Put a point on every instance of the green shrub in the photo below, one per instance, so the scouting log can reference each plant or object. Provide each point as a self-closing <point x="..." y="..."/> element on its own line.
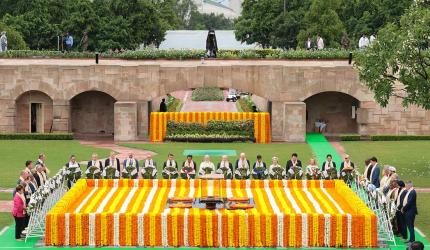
<point x="14" y="38"/>
<point x="36" y="136"/>
<point x="173" y="104"/>
<point x="399" y="137"/>
<point x="352" y="137"/>
<point x="207" y="94"/>
<point x="246" y="104"/>
<point x="213" y="129"/>
<point x="181" y="54"/>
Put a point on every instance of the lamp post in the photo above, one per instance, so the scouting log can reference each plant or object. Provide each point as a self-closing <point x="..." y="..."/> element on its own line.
<point x="285" y="6"/>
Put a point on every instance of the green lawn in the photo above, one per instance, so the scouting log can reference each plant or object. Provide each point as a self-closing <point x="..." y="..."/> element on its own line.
<point x="411" y="158"/>
<point x="6" y="219"/>
<point x="14" y="153"/>
<point x="422" y="221"/>
<point x="5" y="196"/>
<point x="283" y="151"/>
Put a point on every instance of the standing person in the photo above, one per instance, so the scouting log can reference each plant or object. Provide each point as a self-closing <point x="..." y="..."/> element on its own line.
<point x="320" y="42"/>
<point x="94" y="162"/>
<point x="329" y="163"/>
<point x="363" y="42"/>
<point x="259" y="170"/>
<point x="410" y="209"/>
<point x="188" y="170"/>
<point x="211" y="44"/>
<point x="347" y="163"/>
<point x="29" y="167"/>
<point x="400" y="217"/>
<point x="131" y="162"/>
<point x="18" y="211"/>
<point x="163" y="106"/>
<point x="372" y="172"/>
<point x="225" y="167"/>
<point x="308" y="44"/>
<point x="170" y="168"/>
<point x="84" y="41"/>
<point x="3" y="42"/>
<point x="372" y="39"/>
<point x="68" y="41"/>
<point x="242" y="167"/>
<point x="344" y="41"/>
<point x="40" y="175"/>
<point x="293" y="162"/>
<point x="113" y="162"/>
<point x="73" y="171"/>
<point x="206" y="166"/>
<point x="42" y="161"/>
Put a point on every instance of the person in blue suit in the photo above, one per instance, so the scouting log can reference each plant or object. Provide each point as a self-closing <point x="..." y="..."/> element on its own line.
<point x="372" y="172"/>
<point x="409" y="209"/>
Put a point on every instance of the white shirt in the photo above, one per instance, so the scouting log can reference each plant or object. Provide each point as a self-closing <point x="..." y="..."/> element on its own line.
<point x="372" y="39"/>
<point x="363" y="42"/>
<point x="320" y="43"/>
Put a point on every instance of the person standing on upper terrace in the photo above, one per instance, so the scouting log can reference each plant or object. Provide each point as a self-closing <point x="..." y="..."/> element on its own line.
<point x="68" y="41"/>
<point x="211" y="44"/>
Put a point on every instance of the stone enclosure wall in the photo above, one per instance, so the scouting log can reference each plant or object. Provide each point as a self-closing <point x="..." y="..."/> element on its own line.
<point x="130" y="85"/>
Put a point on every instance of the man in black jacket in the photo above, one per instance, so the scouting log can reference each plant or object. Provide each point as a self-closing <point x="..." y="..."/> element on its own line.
<point x="113" y="161"/>
<point x="293" y="162"/>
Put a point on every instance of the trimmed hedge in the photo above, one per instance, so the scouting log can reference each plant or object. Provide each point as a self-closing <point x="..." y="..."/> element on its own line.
<point x="213" y="131"/>
<point x="352" y="137"/>
<point x="207" y="94"/>
<point x="245" y="104"/>
<point x="185" y="54"/>
<point x="399" y="137"/>
<point x="36" y="136"/>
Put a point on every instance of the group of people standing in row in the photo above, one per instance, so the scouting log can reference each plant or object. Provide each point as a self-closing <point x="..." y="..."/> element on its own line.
<point x="34" y="175"/>
<point x="318" y="43"/>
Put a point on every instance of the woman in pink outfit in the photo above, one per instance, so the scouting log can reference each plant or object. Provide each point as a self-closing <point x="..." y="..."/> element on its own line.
<point x="18" y="211"/>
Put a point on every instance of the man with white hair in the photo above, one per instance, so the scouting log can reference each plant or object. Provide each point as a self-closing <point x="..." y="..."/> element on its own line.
<point x="409" y="209"/>
<point x="131" y="161"/>
<point x="3" y="42"/>
<point x="40" y="175"/>
<point x="242" y="169"/>
<point x="94" y="162"/>
<point x="225" y="167"/>
<point x="149" y="168"/>
<point x="206" y="167"/>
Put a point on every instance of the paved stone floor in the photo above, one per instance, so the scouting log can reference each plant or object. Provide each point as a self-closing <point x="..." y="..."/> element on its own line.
<point x="214" y="106"/>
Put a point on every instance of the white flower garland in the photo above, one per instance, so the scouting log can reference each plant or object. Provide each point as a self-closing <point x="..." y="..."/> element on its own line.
<point x="100" y="209"/>
<point x="116" y="229"/>
<point x="327" y="228"/>
<point x="148" y="201"/>
<point x="164" y="235"/>
<point x="349" y="239"/>
<point x="85" y="201"/>
<point x="127" y="200"/>
<point x="219" y="217"/>
<point x="305" y="230"/>
<point x="291" y="198"/>
<point x="192" y="189"/>
<point x="67" y="225"/>
<point x="140" y="229"/>
<point x="280" y="230"/>
<point x="248" y="189"/>
<point x="92" y="229"/>
<point x="229" y="192"/>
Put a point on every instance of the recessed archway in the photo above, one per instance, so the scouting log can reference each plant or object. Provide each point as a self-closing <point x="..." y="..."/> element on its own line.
<point x="336" y="109"/>
<point x="34" y="112"/>
<point x="92" y="113"/>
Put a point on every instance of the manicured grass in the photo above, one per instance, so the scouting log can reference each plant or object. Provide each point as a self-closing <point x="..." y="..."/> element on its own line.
<point x="282" y="151"/>
<point x="16" y="152"/>
<point x="5" y="196"/>
<point x="207" y="94"/>
<point x="422" y="221"/>
<point x="6" y="219"/>
<point x="411" y="158"/>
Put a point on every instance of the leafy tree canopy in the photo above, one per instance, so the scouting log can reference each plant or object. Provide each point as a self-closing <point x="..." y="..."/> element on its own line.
<point x="398" y="63"/>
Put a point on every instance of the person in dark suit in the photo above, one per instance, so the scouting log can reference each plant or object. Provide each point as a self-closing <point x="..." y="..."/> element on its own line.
<point x="329" y="163"/>
<point x="131" y="161"/>
<point x="225" y="163"/>
<point x="113" y="161"/>
<point x="309" y="44"/>
<point x="163" y="106"/>
<point x="346" y="163"/>
<point x="400" y="218"/>
<point x="372" y="172"/>
<point x="294" y="161"/>
<point x="95" y="162"/>
<point x="259" y="174"/>
<point x="409" y="209"/>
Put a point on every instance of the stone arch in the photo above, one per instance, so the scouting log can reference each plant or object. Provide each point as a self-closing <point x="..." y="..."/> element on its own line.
<point x="336" y="109"/>
<point x="34" y="112"/>
<point x="92" y="113"/>
<point x="105" y="88"/>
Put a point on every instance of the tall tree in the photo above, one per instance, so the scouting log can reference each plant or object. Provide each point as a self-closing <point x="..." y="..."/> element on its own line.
<point x="323" y="19"/>
<point x="398" y="63"/>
